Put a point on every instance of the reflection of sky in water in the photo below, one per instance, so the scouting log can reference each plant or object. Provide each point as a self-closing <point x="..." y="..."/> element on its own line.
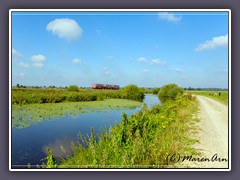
<point x="60" y="147"/>
<point x="28" y="144"/>
<point x="151" y="100"/>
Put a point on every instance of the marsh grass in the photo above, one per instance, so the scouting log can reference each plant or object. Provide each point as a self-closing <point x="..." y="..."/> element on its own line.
<point x="41" y="96"/>
<point x="142" y="140"/>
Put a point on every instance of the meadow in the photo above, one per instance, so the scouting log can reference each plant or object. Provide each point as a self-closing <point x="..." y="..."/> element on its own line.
<point x="51" y="95"/>
<point x="222" y="98"/>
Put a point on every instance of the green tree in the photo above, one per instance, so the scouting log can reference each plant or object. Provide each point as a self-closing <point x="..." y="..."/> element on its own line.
<point x="169" y="92"/>
<point x="73" y="88"/>
<point x="133" y="92"/>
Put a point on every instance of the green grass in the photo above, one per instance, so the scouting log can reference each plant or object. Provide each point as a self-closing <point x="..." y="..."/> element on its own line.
<point x="26" y="115"/>
<point x="143" y="140"/>
<point x="222" y="98"/>
<point x="41" y="96"/>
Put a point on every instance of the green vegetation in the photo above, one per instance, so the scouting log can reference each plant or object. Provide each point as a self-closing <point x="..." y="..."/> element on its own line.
<point x="169" y="92"/>
<point x="72" y="94"/>
<point x="133" y="92"/>
<point x="73" y="88"/>
<point x="26" y="115"/>
<point x="214" y="95"/>
<point x="155" y="90"/>
<point x="31" y="105"/>
<point x="31" y="96"/>
<point x="143" y="140"/>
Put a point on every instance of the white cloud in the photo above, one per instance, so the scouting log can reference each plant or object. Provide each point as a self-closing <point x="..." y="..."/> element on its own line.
<point x="38" y="58"/>
<point x="146" y="70"/>
<point x="215" y="42"/>
<point x="152" y="61"/>
<point x="38" y="65"/>
<point x="65" y="28"/>
<point x="169" y="17"/>
<point x="179" y="70"/>
<point x="142" y="59"/>
<point x="20" y="75"/>
<point x="16" y="54"/>
<point x="76" y="61"/>
<point x="157" y="61"/>
<point x="22" y="64"/>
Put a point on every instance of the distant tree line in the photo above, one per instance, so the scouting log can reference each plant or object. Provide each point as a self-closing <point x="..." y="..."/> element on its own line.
<point x="205" y="89"/>
<point x="154" y="90"/>
<point x="38" y="87"/>
<point x="45" y="87"/>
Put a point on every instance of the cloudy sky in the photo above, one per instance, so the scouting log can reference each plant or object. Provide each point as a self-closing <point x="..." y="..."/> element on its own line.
<point x="149" y="49"/>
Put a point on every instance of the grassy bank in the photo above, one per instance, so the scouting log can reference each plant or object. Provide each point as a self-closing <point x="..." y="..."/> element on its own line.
<point x="26" y="115"/>
<point x="40" y="96"/>
<point x="222" y="98"/>
<point x="31" y="96"/>
<point x="144" y="140"/>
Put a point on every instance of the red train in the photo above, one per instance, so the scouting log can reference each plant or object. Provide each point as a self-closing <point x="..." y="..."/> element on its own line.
<point x="105" y="86"/>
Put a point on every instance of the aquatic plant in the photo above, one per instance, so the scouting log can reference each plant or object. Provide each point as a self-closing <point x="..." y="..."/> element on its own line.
<point x="26" y="115"/>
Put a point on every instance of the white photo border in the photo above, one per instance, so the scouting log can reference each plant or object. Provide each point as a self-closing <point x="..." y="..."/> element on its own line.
<point x="121" y="10"/>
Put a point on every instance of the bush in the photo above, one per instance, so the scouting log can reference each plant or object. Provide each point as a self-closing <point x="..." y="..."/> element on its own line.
<point x="155" y="90"/>
<point x="169" y="92"/>
<point x="133" y="92"/>
<point x="73" y="88"/>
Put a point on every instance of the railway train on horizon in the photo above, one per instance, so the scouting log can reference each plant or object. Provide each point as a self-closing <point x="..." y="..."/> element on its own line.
<point x="105" y="86"/>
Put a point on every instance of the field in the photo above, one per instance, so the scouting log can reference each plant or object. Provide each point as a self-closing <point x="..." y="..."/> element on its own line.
<point x="222" y="98"/>
<point x="31" y="96"/>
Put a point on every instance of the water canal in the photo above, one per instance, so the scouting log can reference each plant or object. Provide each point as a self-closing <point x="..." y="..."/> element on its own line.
<point x="28" y="144"/>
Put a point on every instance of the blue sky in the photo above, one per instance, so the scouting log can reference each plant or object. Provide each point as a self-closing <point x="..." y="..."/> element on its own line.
<point x="149" y="49"/>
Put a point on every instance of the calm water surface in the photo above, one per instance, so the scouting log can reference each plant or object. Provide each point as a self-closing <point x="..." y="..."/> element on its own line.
<point x="28" y="144"/>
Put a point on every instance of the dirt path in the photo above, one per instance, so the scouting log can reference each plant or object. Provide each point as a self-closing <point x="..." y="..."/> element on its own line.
<point x="212" y="135"/>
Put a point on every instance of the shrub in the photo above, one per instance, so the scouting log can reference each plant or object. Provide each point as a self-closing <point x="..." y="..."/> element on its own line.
<point x="73" y="88"/>
<point x="169" y="92"/>
<point x="133" y="92"/>
<point x="155" y="90"/>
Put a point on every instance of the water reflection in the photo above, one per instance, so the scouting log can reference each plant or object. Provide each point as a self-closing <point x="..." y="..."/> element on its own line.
<point x="60" y="147"/>
<point x="29" y="144"/>
<point x="151" y="100"/>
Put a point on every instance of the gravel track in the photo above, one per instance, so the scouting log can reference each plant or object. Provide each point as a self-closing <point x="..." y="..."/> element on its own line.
<point x="212" y="134"/>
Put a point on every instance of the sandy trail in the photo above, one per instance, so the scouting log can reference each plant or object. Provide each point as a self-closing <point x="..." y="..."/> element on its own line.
<point x="212" y="135"/>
